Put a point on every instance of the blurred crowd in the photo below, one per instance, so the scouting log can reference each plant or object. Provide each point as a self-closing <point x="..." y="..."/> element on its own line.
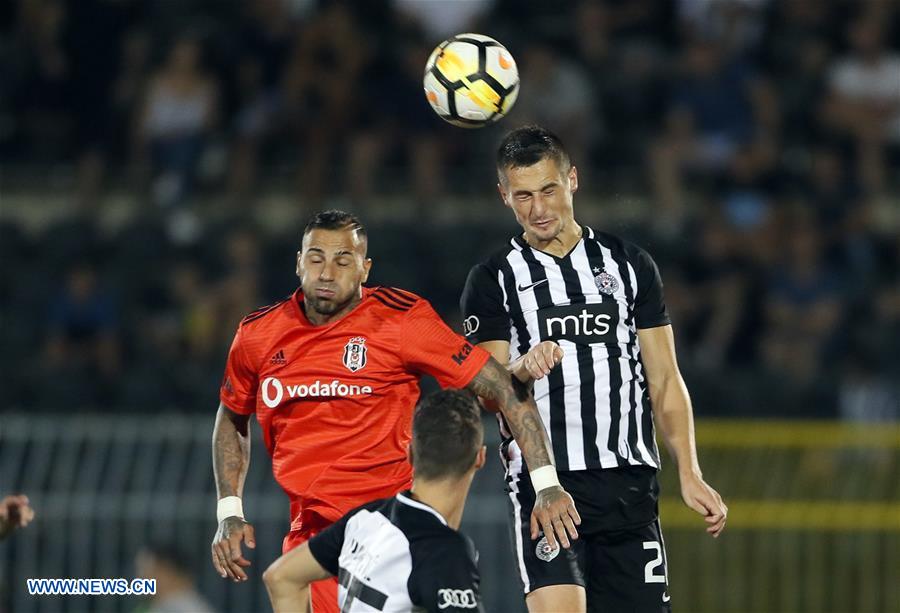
<point x="760" y="137"/>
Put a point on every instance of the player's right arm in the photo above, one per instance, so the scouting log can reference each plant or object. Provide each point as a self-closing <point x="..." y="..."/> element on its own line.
<point x="231" y="460"/>
<point x="488" y="326"/>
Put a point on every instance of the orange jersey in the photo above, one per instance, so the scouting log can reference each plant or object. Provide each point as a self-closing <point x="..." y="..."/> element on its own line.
<point x="335" y="402"/>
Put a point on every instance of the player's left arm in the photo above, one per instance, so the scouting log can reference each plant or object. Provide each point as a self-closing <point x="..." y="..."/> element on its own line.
<point x="287" y="579"/>
<point x="431" y="346"/>
<point x="554" y="510"/>
<point x="675" y="421"/>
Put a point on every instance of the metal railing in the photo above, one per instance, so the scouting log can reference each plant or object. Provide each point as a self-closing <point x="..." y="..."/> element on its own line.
<point x="814" y="521"/>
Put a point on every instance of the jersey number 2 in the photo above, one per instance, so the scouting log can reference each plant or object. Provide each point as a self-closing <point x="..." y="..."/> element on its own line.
<point x="652" y="565"/>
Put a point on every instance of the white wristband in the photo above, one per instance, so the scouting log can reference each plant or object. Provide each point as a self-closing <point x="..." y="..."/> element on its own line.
<point x="230" y="506"/>
<point x="544" y="477"/>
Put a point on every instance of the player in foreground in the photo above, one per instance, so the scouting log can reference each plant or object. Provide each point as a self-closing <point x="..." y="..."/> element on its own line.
<point x="402" y="553"/>
<point x="580" y="315"/>
<point x="332" y="374"/>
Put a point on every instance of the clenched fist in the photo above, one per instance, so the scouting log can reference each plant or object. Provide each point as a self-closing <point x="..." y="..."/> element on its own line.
<point x="542" y="358"/>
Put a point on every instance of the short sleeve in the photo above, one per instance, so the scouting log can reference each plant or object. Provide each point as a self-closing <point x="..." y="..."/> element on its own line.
<point x="445" y="576"/>
<point x="482" y="307"/>
<point x="428" y="345"/>
<point x="238" y="391"/>
<point x="650" y="306"/>
<point x="326" y="545"/>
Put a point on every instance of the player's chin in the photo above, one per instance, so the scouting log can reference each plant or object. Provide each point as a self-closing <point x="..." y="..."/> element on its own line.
<point x="545" y="232"/>
<point x="324" y="306"/>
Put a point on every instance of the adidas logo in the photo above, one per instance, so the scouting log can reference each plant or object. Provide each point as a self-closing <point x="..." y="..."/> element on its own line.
<point x="279" y="358"/>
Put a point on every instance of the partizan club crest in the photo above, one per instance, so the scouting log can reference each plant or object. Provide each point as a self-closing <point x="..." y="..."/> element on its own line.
<point x="605" y="282"/>
<point x="355" y="353"/>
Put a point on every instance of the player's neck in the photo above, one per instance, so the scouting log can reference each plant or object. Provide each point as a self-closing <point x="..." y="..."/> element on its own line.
<point x="447" y="497"/>
<point x="561" y="244"/>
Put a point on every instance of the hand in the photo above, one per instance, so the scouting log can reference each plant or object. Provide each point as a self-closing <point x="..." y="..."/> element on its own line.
<point x="227" y="557"/>
<point x="704" y="500"/>
<point x="555" y="513"/>
<point x="542" y="358"/>
<point x="15" y="512"/>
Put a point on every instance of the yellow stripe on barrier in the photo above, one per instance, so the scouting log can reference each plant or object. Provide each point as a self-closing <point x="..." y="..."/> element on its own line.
<point x="744" y="433"/>
<point x="818" y="515"/>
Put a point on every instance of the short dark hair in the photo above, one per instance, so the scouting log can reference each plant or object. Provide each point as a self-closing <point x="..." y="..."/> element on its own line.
<point x="447" y="434"/>
<point x="529" y="145"/>
<point x="335" y="220"/>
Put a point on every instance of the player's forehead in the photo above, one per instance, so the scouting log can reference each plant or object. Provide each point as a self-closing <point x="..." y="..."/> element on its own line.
<point x="534" y="177"/>
<point x="334" y="241"/>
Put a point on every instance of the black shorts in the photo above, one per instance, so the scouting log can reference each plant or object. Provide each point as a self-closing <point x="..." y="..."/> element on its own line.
<point x="619" y="557"/>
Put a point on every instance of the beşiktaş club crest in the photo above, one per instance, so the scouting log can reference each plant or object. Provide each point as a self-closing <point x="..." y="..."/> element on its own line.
<point x="355" y="353"/>
<point x="605" y="282"/>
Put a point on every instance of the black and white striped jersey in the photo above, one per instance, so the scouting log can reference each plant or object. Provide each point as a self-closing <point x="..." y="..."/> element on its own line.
<point x="398" y="554"/>
<point x="595" y="404"/>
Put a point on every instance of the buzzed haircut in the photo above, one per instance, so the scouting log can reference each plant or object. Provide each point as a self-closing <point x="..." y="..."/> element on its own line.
<point x="447" y="434"/>
<point x="336" y="220"/>
<point x="529" y="145"/>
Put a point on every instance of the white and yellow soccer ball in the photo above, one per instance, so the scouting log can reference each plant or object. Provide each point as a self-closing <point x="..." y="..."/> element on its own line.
<point x="471" y="80"/>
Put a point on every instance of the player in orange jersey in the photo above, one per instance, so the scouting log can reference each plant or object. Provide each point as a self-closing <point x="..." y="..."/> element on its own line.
<point x="332" y="374"/>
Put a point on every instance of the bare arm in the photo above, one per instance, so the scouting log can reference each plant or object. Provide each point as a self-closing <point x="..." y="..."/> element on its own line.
<point x="495" y="383"/>
<point x="288" y="579"/>
<point x="231" y="459"/>
<point x="554" y="510"/>
<point x="675" y="420"/>
<point x="231" y="451"/>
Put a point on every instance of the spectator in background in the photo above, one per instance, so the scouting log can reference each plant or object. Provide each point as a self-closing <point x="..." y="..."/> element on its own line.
<point x="625" y="73"/>
<point x="44" y="79"/>
<point x="709" y="295"/>
<point x="93" y="43"/>
<point x="129" y="90"/>
<point x="178" y="115"/>
<point x="176" y="590"/>
<point x="239" y="291"/>
<point x="717" y="107"/>
<point x="263" y="49"/>
<point x="557" y="93"/>
<point x="864" y="100"/>
<point x="398" y="126"/>
<point x="83" y="344"/>
<point x="321" y="91"/>
<point x="803" y="306"/>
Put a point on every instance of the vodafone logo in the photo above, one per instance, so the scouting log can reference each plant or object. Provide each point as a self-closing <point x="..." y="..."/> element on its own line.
<point x="273" y="391"/>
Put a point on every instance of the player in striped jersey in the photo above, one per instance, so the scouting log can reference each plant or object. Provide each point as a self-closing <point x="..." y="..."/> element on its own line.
<point x="580" y="315"/>
<point x="402" y="553"/>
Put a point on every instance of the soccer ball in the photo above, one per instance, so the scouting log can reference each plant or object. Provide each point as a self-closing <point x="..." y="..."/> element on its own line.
<point x="471" y="80"/>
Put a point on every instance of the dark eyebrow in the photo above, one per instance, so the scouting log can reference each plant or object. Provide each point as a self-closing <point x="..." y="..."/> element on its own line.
<point x="322" y="251"/>
<point x="525" y="191"/>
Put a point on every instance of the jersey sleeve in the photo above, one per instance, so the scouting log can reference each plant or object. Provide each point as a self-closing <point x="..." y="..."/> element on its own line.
<point x="650" y="305"/>
<point x="482" y="307"/>
<point x="238" y="391"/>
<point x="428" y="345"/>
<point x="445" y="576"/>
<point x="326" y="546"/>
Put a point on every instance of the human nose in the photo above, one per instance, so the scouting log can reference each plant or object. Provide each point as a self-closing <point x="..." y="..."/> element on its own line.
<point x="327" y="272"/>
